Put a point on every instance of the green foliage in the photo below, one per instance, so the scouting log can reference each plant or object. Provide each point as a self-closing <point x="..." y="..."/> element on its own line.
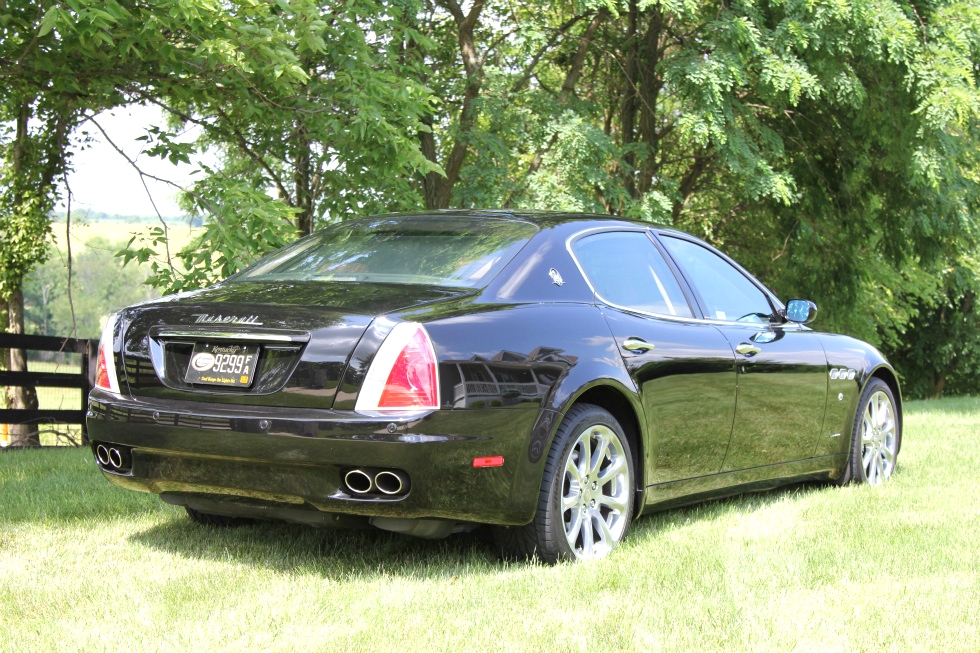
<point x="830" y="146"/>
<point x="246" y="225"/>
<point x="100" y="285"/>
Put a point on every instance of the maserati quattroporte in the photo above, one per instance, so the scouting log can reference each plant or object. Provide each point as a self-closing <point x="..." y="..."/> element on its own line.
<point x="554" y="376"/>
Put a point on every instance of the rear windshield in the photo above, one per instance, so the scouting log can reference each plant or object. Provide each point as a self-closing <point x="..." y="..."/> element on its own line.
<point x="454" y="252"/>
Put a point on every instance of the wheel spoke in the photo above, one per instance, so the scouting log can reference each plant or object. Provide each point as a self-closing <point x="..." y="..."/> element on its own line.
<point x="571" y="501"/>
<point x="873" y="408"/>
<point x="866" y="456"/>
<point x="586" y="458"/>
<point x="572" y="470"/>
<point x="587" y="536"/>
<point x="604" y="533"/>
<point x="599" y="455"/>
<point x="616" y="468"/>
<point x="614" y="502"/>
<point x="573" y="528"/>
<point x="889" y="455"/>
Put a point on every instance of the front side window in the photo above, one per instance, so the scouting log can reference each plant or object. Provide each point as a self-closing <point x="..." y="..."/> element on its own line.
<point x="627" y="270"/>
<point x="436" y="251"/>
<point x="727" y="293"/>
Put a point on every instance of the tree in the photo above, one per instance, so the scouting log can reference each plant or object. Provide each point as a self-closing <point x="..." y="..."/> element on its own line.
<point x="338" y="140"/>
<point x="61" y="63"/>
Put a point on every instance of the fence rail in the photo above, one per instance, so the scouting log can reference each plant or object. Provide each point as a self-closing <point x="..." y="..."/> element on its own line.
<point x="83" y="379"/>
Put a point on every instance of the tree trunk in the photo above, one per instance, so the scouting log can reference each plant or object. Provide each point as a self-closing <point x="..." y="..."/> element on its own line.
<point x="302" y="182"/>
<point x="465" y="24"/>
<point x="650" y="54"/>
<point x="22" y="435"/>
<point x="4" y="353"/>
<point x="627" y="113"/>
<point x="20" y="398"/>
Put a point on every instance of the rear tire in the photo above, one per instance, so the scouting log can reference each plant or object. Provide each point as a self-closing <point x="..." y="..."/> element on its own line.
<point x="219" y="521"/>
<point x="586" y="499"/>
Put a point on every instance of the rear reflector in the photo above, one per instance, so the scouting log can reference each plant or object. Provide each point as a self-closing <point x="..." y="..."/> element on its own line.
<point x="404" y="374"/>
<point x="489" y="461"/>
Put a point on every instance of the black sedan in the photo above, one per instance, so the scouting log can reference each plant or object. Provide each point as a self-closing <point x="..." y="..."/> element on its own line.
<point x="554" y="376"/>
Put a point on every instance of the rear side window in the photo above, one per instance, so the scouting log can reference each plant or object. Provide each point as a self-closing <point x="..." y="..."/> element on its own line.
<point x="436" y="251"/>
<point x="728" y="294"/>
<point x="627" y="270"/>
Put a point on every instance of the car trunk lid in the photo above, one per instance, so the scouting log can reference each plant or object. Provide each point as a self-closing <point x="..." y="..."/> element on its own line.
<point x="284" y="344"/>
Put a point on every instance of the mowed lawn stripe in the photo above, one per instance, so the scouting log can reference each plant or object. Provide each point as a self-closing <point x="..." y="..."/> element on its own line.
<point x="87" y="566"/>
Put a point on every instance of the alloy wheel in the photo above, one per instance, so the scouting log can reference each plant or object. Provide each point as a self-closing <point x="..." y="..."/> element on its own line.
<point x="595" y="492"/>
<point x="878" y="441"/>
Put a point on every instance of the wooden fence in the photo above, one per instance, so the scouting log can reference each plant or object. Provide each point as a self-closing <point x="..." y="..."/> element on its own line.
<point x="84" y="379"/>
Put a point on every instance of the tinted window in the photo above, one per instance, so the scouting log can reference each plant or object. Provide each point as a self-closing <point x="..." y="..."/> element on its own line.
<point x="428" y="251"/>
<point x="727" y="293"/>
<point x="627" y="270"/>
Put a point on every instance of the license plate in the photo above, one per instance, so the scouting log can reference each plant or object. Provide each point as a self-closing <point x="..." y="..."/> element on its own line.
<point x="222" y="364"/>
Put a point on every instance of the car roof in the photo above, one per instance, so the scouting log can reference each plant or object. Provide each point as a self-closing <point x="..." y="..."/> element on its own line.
<point x="536" y="217"/>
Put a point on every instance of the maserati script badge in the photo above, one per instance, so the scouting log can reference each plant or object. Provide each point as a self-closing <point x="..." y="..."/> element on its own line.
<point x="204" y="318"/>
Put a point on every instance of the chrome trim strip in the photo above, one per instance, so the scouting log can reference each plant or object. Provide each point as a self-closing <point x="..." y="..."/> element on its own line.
<point x="230" y="335"/>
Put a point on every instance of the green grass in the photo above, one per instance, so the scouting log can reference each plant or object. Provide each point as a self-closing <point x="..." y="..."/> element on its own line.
<point x="87" y="566"/>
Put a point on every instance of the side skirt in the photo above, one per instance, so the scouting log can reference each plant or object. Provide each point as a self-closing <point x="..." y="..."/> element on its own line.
<point x="756" y="479"/>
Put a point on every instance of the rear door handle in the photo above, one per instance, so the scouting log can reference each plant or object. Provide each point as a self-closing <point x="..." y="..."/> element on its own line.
<point x="747" y="349"/>
<point x="637" y="345"/>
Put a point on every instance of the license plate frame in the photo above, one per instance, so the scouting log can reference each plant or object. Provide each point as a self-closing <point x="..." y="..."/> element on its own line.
<point x="229" y="365"/>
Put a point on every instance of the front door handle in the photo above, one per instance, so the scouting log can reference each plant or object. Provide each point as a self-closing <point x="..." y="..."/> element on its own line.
<point x="637" y="345"/>
<point x="747" y="349"/>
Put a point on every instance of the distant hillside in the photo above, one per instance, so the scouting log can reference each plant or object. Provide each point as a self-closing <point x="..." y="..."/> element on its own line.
<point x="92" y="217"/>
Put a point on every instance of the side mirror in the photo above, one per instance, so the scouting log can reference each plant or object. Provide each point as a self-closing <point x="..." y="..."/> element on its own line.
<point x="801" y="310"/>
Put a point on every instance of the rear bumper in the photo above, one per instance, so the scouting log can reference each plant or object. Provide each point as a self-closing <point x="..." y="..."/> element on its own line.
<point x="295" y="458"/>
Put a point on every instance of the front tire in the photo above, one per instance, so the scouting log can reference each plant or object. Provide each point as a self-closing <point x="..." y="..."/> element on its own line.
<point x="586" y="497"/>
<point x="877" y="436"/>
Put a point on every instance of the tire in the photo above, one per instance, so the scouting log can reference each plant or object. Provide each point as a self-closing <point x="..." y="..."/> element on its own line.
<point x="219" y="521"/>
<point x="876" y="437"/>
<point x="575" y="520"/>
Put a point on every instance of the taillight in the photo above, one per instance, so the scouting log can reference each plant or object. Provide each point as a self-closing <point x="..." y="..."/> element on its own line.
<point x="404" y="375"/>
<point x="105" y="371"/>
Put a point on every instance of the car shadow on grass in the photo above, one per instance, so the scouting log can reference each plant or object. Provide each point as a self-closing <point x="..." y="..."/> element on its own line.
<point x="333" y="553"/>
<point x="288" y="547"/>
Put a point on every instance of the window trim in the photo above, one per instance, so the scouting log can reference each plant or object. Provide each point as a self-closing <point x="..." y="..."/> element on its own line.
<point x="692" y="306"/>
<point x="774" y="302"/>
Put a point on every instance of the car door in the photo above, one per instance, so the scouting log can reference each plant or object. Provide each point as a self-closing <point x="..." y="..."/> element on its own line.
<point x="684" y="368"/>
<point x="781" y="366"/>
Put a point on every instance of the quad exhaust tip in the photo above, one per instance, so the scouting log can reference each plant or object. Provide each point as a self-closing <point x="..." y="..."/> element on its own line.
<point x="386" y="481"/>
<point x="112" y="458"/>
<point x="358" y="481"/>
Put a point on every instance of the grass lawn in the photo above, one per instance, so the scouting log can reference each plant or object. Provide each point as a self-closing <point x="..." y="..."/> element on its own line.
<point x="87" y="566"/>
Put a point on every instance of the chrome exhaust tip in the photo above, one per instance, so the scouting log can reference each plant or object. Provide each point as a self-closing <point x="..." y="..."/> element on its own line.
<point x="115" y="458"/>
<point x="102" y="454"/>
<point x="358" y="481"/>
<point x="389" y="482"/>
